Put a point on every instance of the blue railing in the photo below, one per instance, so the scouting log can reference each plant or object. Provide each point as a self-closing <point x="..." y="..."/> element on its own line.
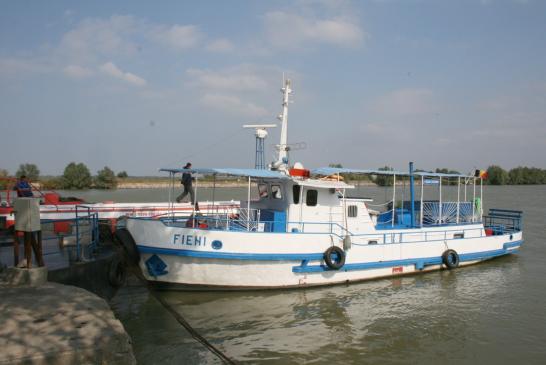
<point x="335" y="229"/>
<point x="417" y="236"/>
<point x="84" y="229"/>
<point x="235" y="224"/>
<point x="502" y="221"/>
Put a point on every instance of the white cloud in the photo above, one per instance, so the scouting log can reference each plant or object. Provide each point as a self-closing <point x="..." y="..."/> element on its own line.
<point x="405" y="102"/>
<point x="233" y="104"/>
<point x="22" y="67"/>
<point x="95" y="37"/>
<point x="178" y="37"/>
<point x="77" y="72"/>
<point x="238" y="79"/>
<point x="111" y="69"/>
<point x="220" y="45"/>
<point x="291" y="30"/>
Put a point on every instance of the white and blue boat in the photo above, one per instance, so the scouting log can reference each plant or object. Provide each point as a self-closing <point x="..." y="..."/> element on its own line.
<point x="301" y="228"/>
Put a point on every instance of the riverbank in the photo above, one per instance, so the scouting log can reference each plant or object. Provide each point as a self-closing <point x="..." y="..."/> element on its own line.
<point x="60" y="324"/>
<point x="164" y="183"/>
<point x="122" y="184"/>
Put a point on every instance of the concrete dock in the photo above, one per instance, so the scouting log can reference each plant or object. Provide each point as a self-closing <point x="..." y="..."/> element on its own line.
<point x="59" y="324"/>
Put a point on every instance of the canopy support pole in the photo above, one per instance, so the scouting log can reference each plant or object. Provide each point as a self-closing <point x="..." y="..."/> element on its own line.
<point x="412" y="196"/>
<point x="473" y="200"/>
<point x="393" y="198"/>
<point x="171" y="191"/>
<point x="440" y="202"/>
<point x="248" y="207"/>
<point x="195" y="204"/>
<point x="481" y="199"/>
<point x="458" y="198"/>
<point x="215" y="207"/>
<point x="422" y="193"/>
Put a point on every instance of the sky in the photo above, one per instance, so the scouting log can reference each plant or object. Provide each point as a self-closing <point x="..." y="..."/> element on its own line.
<point x="140" y="85"/>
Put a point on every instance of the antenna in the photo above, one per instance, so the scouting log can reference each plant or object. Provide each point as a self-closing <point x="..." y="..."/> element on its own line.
<point x="261" y="134"/>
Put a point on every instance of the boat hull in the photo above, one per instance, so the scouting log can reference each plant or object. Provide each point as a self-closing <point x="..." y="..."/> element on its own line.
<point x="191" y="259"/>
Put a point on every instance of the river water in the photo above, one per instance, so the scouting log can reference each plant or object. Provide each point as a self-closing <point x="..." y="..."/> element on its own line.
<point x="494" y="312"/>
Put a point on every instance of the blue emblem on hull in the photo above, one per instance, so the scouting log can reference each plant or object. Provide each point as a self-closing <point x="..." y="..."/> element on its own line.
<point x="216" y="244"/>
<point x="156" y="266"/>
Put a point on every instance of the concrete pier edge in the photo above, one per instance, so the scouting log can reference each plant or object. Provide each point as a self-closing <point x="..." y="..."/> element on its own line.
<point x="60" y="324"/>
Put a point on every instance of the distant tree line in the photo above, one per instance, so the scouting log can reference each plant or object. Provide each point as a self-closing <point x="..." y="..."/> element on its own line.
<point x="516" y="176"/>
<point x="496" y="176"/>
<point x="75" y="176"/>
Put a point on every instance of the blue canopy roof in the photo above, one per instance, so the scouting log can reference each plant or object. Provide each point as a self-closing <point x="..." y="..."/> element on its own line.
<point x="336" y="170"/>
<point x="231" y="172"/>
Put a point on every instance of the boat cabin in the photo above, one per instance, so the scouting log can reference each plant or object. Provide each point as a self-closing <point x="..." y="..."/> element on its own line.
<point x="295" y="203"/>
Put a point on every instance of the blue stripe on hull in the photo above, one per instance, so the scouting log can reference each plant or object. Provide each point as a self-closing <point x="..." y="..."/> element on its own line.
<point x="420" y="263"/>
<point x="230" y="255"/>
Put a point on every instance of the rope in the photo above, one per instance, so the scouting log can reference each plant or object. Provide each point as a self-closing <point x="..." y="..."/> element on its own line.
<point x="224" y="358"/>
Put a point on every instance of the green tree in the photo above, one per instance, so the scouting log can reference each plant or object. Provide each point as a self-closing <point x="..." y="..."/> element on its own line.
<point x="106" y="179"/>
<point x="384" y="180"/>
<point x="4" y="183"/>
<point x="450" y="181"/>
<point x="30" y="170"/>
<point x="76" y="176"/>
<point x="496" y="175"/>
<point x="122" y="174"/>
<point x="526" y="175"/>
<point x="52" y="183"/>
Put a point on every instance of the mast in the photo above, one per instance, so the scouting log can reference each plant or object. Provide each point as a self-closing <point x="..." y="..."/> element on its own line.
<point x="283" y="117"/>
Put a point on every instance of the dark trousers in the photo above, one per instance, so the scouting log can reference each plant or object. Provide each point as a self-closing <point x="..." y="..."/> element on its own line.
<point x="188" y="189"/>
<point x="33" y="242"/>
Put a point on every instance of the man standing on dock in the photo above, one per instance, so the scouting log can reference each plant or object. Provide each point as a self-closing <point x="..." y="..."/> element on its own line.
<point x="187" y="181"/>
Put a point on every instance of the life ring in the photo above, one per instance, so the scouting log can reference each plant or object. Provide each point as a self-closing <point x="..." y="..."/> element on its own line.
<point x="450" y="258"/>
<point x="334" y="257"/>
<point x="129" y="246"/>
<point x="116" y="272"/>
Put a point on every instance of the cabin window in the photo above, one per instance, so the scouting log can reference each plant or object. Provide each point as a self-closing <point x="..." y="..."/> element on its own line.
<point x="312" y="197"/>
<point x="352" y="211"/>
<point x="262" y="191"/>
<point x="296" y="189"/>
<point x="276" y="192"/>
<point x="458" y="235"/>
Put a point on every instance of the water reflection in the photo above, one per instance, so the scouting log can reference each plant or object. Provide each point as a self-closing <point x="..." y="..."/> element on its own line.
<point x="368" y="320"/>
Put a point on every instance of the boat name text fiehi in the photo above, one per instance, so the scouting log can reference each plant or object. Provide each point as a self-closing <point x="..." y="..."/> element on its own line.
<point x="189" y="240"/>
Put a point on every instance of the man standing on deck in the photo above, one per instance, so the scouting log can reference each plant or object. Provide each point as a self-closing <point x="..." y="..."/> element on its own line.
<point x="187" y="181"/>
<point x="23" y="188"/>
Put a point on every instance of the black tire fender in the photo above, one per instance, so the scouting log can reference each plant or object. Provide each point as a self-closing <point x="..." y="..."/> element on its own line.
<point x="129" y="246"/>
<point x="332" y="263"/>
<point x="117" y="273"/>
<point x="450" y="258"/>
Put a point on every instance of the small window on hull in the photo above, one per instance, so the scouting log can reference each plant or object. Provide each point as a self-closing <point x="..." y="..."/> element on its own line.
<point x="296" y="189"/>
<point x="458" y="235"/>
<point x="311" y="198"/>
